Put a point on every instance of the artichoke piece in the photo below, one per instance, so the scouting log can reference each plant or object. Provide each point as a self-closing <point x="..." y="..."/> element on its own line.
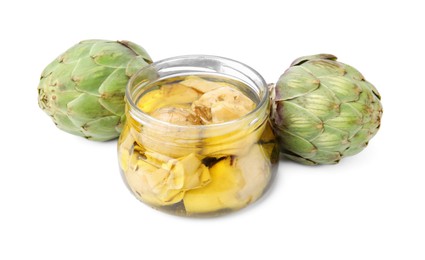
<point x="156" y="159"/>
<point x="235" y="182"/>
<point x="161" y="182"/>
<point x="140" y="183"/>
<point x="221" y="193"/>
<point x="179" y="104"/>
<point x="150" y="101"/>
<point x="225" y="111"/>
<point x="255" y="170"/>
<point x="169" y="95"/>
<point x="176" y="115"/>
<point x="203" y="85"/>
<point x="157" y="184"/>
<point x="169" y="141"/>
<point x="234" y="143"/>
<point x="225" y="104"/>
<point x="220" y="102"/>
<point x="193" y="172"/>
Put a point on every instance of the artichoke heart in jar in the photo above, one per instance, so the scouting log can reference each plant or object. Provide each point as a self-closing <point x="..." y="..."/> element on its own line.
<point x="197" y="138"/>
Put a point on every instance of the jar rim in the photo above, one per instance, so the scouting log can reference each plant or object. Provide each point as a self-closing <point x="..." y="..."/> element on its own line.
<point x="260" y="83"/>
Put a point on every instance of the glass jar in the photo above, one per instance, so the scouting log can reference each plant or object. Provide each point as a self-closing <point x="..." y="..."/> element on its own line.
<point x="197" y="169"/>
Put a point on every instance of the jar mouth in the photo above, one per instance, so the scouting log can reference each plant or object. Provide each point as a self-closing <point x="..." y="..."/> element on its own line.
<point x="184" y="66"/>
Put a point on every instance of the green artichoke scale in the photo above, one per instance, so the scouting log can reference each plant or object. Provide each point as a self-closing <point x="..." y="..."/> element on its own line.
<point x="324" y="110"/>
<point x="83" y="89"/>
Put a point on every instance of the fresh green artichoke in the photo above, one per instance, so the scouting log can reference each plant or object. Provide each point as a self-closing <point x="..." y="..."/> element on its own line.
<point x="324" y="110"/>
<point x="83" y="89"/>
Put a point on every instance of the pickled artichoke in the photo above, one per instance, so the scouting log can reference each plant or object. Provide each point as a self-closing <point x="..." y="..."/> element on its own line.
<point x="200" y="101"/>
<point x="324" y="110"/>
<point x="166" y="182"/>
<point x="83" y="89"/>
<point x="197" y="170"/>
<point x="221" y="105"/>
<point x="234" y="183"/>
<point x="221" y="193"/>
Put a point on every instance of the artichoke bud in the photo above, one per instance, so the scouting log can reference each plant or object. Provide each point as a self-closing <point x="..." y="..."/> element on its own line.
<point x="83" y="89"/>
<point x="324" y="110"/>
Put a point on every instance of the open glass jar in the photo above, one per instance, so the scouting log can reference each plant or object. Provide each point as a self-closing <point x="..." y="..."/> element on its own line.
<point x="196" y="169"/>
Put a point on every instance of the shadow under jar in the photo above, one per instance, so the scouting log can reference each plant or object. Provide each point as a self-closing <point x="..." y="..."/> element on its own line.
<point x="187" y="153"/>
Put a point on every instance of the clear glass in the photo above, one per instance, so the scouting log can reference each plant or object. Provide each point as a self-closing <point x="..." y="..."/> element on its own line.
<point x="196" y="170"/>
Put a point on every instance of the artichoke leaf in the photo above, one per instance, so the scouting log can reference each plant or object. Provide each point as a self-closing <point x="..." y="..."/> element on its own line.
<point x="343" y="88"/>
<point x="113" y="104"/>
<point x="349" y="120"/>
<point x="296" y="144"/>
<point x="332" y="140"/>
<point x="113" y="84"/>
<point x="85" y="108"/>
<point x="320" y="67"/>
<point x="79" y="51"/>
<point x="321" y="103"/>
<point x="353" y="73"/>
<point x="106" y="54"/>
<point x="64" y="123"/>
<point x="135" y="64"/>
<point x="102" y="129"/>
<point x="298" y="120"/>
<point x="358" y="142"/>
<point x="368" y="86"/>
<point x="137" y="49"/>
<point x="88" y="76"/>
<point x="327" y="157"/>
<point x="295" y="82"/>
<point x="304" y="59"/>
<point x="298" y="158"/>
<point x="60" y="79"/>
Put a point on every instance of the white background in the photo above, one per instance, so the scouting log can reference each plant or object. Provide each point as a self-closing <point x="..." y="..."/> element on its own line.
<point x="62" y="197"/>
